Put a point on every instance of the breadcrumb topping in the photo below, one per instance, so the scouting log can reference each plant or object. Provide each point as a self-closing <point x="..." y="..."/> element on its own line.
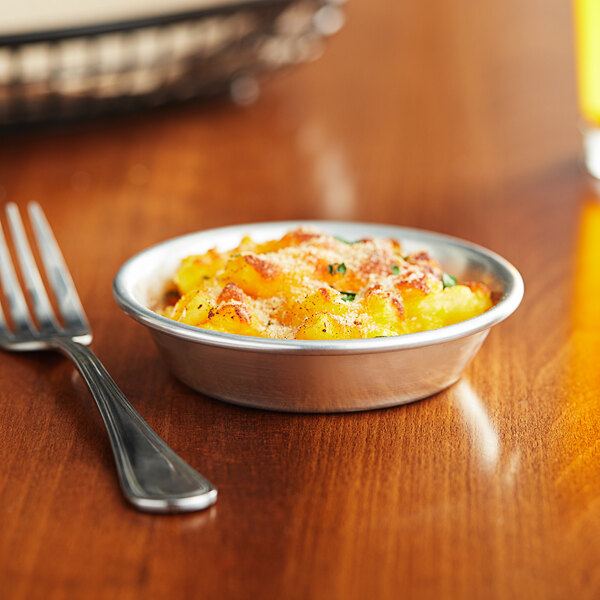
<point x="312" y="285"/>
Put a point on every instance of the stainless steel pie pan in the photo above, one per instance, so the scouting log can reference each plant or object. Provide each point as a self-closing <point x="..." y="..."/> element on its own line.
<point x="317" y="376"/>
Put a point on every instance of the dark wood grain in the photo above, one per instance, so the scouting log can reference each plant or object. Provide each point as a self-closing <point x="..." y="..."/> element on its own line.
<point x="454" y="116"/>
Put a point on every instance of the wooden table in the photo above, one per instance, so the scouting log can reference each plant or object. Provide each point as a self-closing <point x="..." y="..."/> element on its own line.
<point x="459" y="118"/>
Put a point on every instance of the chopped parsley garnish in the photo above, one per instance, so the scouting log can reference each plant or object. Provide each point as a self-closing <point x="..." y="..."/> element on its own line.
<point x="448" y="280"/>
<point x="395" y="270"/>
<point x="339" y="239"/>
<point x="337" y="268"/>
<point x="206" y="276"/>
<point x="346" y="296"/>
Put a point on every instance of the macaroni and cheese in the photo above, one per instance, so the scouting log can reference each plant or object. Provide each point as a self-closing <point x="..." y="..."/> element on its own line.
<point x="314" y="286"/>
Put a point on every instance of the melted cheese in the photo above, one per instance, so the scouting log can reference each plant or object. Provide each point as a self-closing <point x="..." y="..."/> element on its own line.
<point x="310" y="285"/>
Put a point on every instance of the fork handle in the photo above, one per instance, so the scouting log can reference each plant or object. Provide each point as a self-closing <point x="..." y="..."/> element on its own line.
<point x="152" y="476"/>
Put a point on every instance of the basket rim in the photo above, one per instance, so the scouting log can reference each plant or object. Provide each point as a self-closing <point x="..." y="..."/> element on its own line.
<point x="55" y="35"/>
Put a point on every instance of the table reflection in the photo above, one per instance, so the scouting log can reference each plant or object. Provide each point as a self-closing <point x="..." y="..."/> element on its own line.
<point x="575" y="433"/>
<point x="481" y="427"/>
<point x="330" y="170"/>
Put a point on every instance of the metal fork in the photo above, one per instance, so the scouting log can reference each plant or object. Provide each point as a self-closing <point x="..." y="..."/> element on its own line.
<point x="153" y="478"/>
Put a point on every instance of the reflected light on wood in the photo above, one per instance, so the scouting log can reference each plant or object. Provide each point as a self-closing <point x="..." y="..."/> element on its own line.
<point x="574" y="435"/>
<point x="482" y="430"/>
<point x="331" y="173"/>
<point x="586" y="307"/>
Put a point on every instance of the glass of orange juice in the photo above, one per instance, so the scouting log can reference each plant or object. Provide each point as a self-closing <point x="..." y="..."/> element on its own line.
<point x="587" y="35"/>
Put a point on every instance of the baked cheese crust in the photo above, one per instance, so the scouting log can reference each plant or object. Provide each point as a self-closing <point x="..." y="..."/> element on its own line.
<point x="314" y="286"/>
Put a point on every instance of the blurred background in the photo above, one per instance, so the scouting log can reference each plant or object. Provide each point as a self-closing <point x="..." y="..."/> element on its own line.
<point x="407" y="100"/>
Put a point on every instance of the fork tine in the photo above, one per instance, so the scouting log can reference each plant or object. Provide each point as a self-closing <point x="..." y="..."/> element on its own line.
<point x="31" y="276"/>
<point x="56" y="269"/>
<point x="13" y="293"/>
